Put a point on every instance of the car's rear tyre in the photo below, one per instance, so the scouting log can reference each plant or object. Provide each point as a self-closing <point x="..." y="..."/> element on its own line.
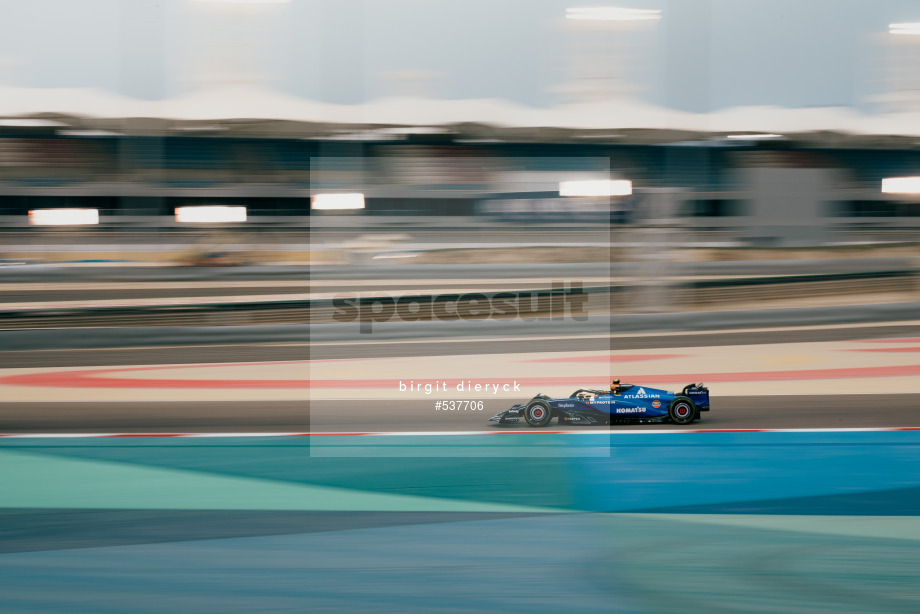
<point x="682" y="411"/>
<point x="538" y="413"/>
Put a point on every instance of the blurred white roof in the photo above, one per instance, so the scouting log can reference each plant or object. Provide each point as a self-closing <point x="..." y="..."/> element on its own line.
<point x="252" y="102"/>
<point x="69" y="101"/>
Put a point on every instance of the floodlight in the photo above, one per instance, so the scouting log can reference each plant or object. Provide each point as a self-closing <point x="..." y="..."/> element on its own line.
<point x="64" y="217"/>
<point x="209" y="214"/>
<point x="901" y="185"/>
<point x="904" y="28"/>
<point x="600" y="187"/>
<point x="612" y="13"/>
<point x="338" y="201"/>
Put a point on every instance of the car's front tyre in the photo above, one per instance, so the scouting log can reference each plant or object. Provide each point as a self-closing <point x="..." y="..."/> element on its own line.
<point x="538" y="413"/>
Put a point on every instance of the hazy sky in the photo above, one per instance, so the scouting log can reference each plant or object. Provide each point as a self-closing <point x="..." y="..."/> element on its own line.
<point x="702" y="55"/>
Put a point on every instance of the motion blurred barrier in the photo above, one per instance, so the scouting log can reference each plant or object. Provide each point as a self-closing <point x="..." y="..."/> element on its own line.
<point x="535" y="302"/>
<point x="159" y="336"/>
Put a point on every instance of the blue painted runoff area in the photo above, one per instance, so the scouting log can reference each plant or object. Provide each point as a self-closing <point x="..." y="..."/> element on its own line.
<point x="822" y="522"/>
<point x="840" y="472"/>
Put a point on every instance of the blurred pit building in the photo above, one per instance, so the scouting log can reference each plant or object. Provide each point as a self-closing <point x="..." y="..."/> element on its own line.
<point x="767" y="189"/>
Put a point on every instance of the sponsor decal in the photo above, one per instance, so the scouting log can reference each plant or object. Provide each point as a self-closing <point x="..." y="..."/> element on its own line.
<point x="642" y="394"/>
<point x="565" y="405"/>
<point x="629" y="410"/>
<point x="656" y="404"/>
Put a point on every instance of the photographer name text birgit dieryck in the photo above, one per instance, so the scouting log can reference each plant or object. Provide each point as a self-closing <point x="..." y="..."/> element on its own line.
<point x="461" y="386"/>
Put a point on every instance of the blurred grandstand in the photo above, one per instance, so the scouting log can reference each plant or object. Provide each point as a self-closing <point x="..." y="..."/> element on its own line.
<point x="136" y="171"/>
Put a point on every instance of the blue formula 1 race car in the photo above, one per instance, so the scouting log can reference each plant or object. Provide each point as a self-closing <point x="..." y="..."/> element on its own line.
<point x="622" y="404"/>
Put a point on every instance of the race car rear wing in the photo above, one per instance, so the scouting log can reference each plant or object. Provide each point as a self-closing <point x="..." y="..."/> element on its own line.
<point x="699" y="394"/>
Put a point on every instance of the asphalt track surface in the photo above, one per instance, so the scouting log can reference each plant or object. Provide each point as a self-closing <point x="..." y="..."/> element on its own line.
<point x="773" y="412"/>
<point x="845" y="410"/>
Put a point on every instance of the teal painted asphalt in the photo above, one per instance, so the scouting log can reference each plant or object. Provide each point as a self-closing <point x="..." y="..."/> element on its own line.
<point x="671" y="523"/>
<point x="633" y="472"/>
<point x="579" y="563"/>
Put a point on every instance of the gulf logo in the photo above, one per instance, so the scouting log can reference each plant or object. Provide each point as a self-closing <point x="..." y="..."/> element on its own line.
<point x="656" y="404"/>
